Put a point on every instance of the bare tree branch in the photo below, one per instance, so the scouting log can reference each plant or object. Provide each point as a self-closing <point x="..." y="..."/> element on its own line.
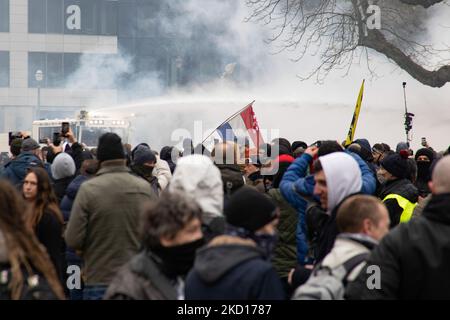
<point x="423" y="3"/>
<point x="377" y="41"/>
<point x="334" y="29"/>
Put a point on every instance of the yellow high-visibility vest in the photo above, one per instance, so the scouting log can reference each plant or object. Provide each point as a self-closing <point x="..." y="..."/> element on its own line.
<point x="405" y="204"/>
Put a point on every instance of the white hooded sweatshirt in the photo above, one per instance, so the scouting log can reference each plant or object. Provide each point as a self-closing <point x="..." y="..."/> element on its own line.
<point x="197" y="176"/>
<point x="343" y="177"/>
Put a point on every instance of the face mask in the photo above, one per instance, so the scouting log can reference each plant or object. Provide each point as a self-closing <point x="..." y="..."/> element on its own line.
<point x="267" y="242"/>
<point x="142" y="170"/>
<point x="178" y="260"/>
<point x="147" y="171"/>
<point x="423" y="170"/>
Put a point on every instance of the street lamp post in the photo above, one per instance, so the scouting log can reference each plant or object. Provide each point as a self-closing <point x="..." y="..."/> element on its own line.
<point x="39" y="75"/>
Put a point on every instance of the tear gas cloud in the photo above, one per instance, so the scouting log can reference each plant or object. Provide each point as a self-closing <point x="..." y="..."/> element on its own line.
<point x="300" y="110"/>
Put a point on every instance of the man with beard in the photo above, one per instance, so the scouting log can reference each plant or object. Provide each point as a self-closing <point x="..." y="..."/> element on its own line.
<point x="171" y="235"/>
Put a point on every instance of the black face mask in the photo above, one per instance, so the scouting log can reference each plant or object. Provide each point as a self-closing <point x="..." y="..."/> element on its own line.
<point x="266" y="242"/>
<point x="143" y="171"/>
<point x="178" y="260"/>
<point x="423" y="170"/>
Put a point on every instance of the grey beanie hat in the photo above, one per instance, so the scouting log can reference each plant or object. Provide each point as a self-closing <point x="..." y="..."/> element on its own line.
<point x="63" y="166"/>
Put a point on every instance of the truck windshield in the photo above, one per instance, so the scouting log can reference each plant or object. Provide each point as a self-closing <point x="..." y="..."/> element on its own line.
<point x="47" y="132"/>
<point x="90" y="135"/>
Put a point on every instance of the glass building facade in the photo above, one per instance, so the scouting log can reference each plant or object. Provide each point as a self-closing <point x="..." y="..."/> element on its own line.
<point x="152" y="46"/>
<point x="97" y="17"/>
<point x="4" y="69"/>
<point x="157" y="40"/>
<point x="4" y="15"/>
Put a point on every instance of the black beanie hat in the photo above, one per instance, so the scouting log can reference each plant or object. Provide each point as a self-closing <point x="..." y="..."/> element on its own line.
<point x="425" y="152"/>
<point x="397" y="164"/>
<point x="143" y="155"/>
<point x="110" y="147"/>
<point x="298" y="144"/>
<point x="249" y="209"/>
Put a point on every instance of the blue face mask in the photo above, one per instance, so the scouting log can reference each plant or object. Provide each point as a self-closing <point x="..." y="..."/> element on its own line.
<point x="266" y="242"/>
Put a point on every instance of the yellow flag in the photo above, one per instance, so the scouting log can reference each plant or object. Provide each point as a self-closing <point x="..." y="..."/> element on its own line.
<point x="351" y="131"/>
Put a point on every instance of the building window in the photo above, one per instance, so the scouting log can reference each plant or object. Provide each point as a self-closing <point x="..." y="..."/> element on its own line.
<point x="4" y="69"/>
<point x="89" y="17"/>
<point x="36" y="61"/>
<point x="55" y="70"/>
<point x="108" y="18"/>
<point x="58" y="68"/>
<point x="127" y="18"/>
<point x="52" y="65"/>
<point x="37" y="16"/>
<point x="4" y="15"/>
<point x="55" y="16"/>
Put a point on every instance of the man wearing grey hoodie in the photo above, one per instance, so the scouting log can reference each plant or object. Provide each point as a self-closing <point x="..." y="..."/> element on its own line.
<point x="337" y="176"/>
<point x="63" y="172"/>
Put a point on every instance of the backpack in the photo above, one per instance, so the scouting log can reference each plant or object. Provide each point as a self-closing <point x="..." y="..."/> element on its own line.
<point x="327" y="283"/>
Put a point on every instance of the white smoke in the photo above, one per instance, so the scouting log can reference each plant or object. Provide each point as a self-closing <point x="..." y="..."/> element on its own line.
<point x="300" y="110"/>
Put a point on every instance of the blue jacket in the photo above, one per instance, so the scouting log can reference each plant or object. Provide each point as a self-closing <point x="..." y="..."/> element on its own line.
<point x="296" y="184"/>
<point x="16" y="170"/>
<point x="66" y="208"/>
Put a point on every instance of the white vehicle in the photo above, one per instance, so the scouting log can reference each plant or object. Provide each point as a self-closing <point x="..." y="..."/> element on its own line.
<point x="86" y="129"/>
<point x="4" y="145"/>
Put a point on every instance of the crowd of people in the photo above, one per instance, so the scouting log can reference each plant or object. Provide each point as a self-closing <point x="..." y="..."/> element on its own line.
<point x="281" y="221"/>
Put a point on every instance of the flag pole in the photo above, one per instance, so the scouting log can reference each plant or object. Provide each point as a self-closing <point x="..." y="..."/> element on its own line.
<point x="231" y="117"/>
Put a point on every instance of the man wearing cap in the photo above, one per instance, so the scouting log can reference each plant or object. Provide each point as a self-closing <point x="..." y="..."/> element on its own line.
<point x="396" y="191"/>
<point x="16" y="170"/>
<point x="236" y="265"/>
<point x="105" y="217"/>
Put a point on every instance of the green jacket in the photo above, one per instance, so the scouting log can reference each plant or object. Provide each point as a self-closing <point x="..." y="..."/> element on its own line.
<point x="104" y="220"/>
<point x="285" y="253"/>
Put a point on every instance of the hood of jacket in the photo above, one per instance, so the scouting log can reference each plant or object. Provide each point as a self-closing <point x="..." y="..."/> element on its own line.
<point x="348" y="245"/>
<point x="197" y="176"/>
<point x="343" y="177"/>
<point x="63" y="166"/>
<point x="21" y="163"/>
<point x="223" y="254"/>
<point x="438" y="208"/>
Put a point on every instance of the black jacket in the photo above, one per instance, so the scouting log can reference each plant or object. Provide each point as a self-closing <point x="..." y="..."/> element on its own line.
<point x="60" y="187"/>
<point x="232" y="268"/>
<point x="414" y="258"/>
<point x="232" y="178"/>
<point x="50" y="233"/>
<point x="402" y="187"/>
<point x="141" y="279"/>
